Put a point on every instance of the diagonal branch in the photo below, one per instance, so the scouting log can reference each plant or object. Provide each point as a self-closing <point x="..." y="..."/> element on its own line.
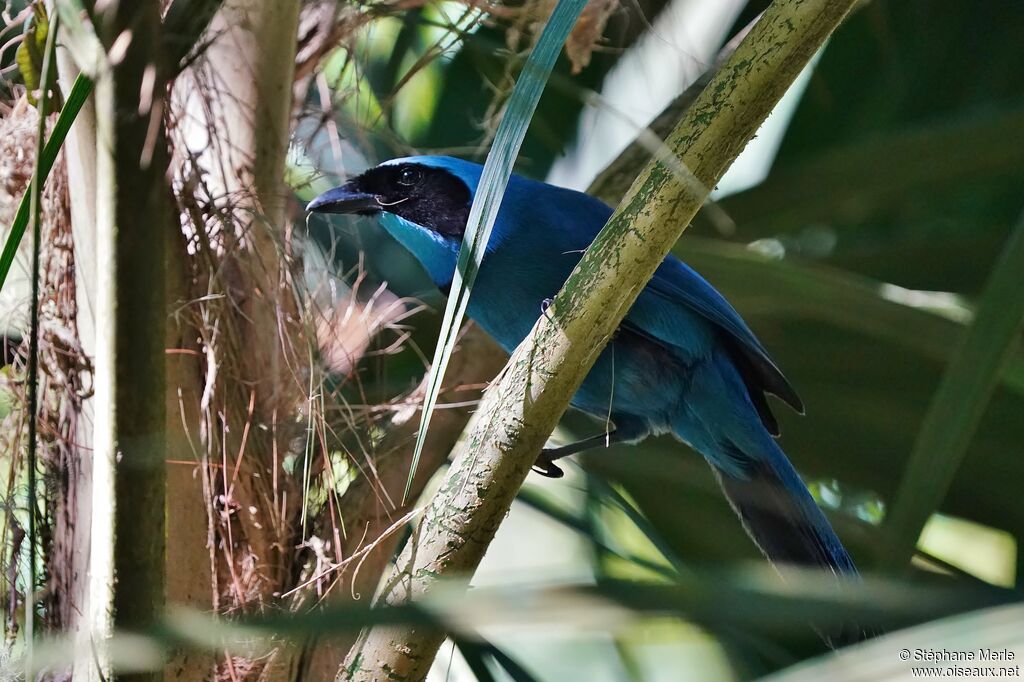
<point x="522" y="408"/>
<point x="612" y="183"/>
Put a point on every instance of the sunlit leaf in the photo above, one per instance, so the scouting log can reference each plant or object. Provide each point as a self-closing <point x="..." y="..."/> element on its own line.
<point x="892" y="658"/>
<point x="29" y="54"/>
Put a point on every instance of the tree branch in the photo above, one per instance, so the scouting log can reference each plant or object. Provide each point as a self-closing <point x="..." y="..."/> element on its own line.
<point x="520" y="411"/>
<point x="612" y="183"/>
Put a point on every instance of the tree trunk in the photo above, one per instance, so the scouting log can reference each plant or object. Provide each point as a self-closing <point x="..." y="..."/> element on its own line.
<point x="71" y="535"/>
<point x="126" y="559"/>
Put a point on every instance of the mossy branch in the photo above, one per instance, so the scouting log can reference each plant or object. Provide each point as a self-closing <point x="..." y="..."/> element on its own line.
<point x="612" y="183"/>
<point x="522" y="408"/>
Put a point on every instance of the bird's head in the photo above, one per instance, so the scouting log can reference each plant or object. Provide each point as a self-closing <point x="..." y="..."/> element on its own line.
<point x="424" y="203"/>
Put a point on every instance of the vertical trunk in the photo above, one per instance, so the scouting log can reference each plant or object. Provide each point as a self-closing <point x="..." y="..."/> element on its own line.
<point x="126" y="560"/>
<point x="190" y="546"/>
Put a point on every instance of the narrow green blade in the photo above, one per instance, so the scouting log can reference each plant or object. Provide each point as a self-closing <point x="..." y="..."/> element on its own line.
<point x="496" y="173"/>
<point x="76" y="98"/>
<point x="959" y="403"/>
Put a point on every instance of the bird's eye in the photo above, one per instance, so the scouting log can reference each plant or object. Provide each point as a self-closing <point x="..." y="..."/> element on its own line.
<point x="409" y="177"/>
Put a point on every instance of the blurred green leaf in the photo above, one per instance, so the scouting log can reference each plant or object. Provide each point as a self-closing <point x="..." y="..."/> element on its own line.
<point x="880" y="660"/>
<point x="29" y="54"/>
<point x="477" y="654"/>
<point x="959" y="404"/>
<point x="537" y="501"/>
<point x="756" y="597"/>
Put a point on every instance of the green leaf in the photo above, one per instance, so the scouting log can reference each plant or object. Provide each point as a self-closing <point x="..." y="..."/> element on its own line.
<point x="959" y="403"/>
<point x="29" y="55"/>
<point x="76" y="98"/>
<point x="995" y="628"/>
<point x="484" y="211"/>
<point x="474" y="655"/>
<point x="758" y="285"/>
<point x="517" y="672"/>
<point x="755" y="597"/>
<point x="756" y="600"/>
<point x="539" y="502"/>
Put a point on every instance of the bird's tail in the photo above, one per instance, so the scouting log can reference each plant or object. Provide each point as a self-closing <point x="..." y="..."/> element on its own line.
<point x="777" y="510"/>
<point x="784" y="521"/>
<point x="721" y="422"/>
<point x="780" y="515"/>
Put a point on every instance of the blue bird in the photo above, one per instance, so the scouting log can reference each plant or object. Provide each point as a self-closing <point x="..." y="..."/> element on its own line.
<point x="683" y="361"/>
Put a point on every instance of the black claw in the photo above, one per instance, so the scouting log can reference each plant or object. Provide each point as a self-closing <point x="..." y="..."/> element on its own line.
<point x="545" y="467"/>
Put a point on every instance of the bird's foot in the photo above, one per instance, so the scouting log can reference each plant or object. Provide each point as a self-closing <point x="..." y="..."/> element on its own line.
<point x="544" y="305"/>
<point x="545" y="465"/>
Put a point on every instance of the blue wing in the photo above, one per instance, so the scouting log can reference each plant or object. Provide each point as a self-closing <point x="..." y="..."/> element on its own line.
<point x="664" y="311"/>
<point x="678" y="308"/>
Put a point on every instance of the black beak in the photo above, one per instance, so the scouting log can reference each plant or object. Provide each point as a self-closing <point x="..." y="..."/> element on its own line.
<point x="344" y="199"/>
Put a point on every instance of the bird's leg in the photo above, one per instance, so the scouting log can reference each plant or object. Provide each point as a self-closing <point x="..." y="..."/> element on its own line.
<point x="545" y="464"/>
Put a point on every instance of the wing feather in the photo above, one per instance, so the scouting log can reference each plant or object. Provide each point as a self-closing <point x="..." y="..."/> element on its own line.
<point x="676" y="284"/>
